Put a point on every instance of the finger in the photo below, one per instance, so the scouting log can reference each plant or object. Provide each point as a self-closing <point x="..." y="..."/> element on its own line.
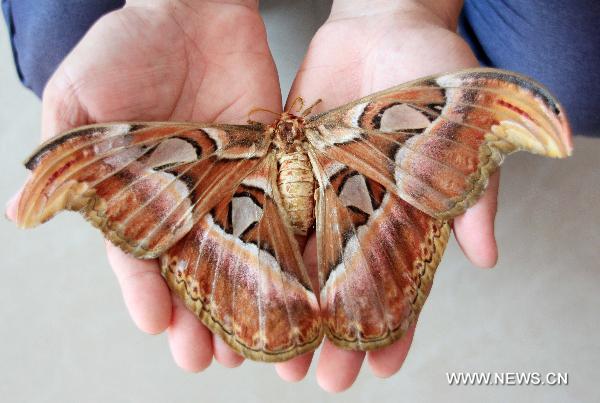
<point x="61" y="108"/>
<point x="12" y="205"/>
<point x="146" y="294"/>
<point x="295" y="369"/>
<point x="224" y="354"/>
<point x="387" y="361"/>
<point x="337" y="369"/>
<point x="189" y="339"/>
<point x="474" y="229"/>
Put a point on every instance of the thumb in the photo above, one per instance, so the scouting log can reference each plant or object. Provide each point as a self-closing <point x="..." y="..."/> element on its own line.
<point x="62" y="109"/>
<point x="474" y="229"/>
<point x="11" y="206"/>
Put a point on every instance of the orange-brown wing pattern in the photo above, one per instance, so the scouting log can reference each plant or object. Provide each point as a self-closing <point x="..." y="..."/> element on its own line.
<point x="377" y="256"/>
<point x="143" y="184"/>
<point x="240" y="270"/>
<point x="202" y="198"/>
<point x="435" y="141"/>
<point x="392" y="170"/>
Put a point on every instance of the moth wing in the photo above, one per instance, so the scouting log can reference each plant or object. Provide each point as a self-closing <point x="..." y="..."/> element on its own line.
<point x="143" y="184"/>
<point x="393" y="168"/>
<point x="241" y="271"/>
<point x="434" y="142"/>
<point x="377" y="255"/>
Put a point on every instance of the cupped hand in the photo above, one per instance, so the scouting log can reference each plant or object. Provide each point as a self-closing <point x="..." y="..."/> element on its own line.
<point x="362" y="48"/>
<point x="199" y="61"/>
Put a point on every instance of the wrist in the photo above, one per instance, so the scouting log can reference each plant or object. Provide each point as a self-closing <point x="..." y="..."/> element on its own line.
<point x="444" y="14"/>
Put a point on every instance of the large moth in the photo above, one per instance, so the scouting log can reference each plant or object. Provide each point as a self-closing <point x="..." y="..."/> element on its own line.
<point x="379" y="179"/>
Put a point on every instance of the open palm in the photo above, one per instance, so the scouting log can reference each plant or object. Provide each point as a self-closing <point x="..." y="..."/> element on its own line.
<point x="206" y="62"/>
<point x="352" y="56"/>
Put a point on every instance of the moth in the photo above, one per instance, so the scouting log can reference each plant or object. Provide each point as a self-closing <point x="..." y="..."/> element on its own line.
<point x="219" y="205"/>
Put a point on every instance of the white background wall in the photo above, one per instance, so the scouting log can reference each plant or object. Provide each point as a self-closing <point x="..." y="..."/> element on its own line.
<point x="65" y="335"/>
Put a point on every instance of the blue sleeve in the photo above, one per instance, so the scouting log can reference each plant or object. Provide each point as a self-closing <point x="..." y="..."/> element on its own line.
<point x="43" y="32"/>
<point x="553" y="41"/>
<point x="556" y="42"/>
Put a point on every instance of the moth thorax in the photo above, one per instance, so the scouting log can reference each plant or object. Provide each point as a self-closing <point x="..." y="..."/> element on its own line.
<point x="297" y="185"/>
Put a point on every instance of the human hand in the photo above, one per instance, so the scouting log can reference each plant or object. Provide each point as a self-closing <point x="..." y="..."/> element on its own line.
<point x="165" y="60"/>
<point x="364" y="47"/>
<point x="157" y="62"/>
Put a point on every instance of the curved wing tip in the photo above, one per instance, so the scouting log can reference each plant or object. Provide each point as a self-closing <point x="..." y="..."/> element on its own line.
<point x="15" y="211"/>
<point x="24" y="219"/>
<point x="24" y="222"/>
<point x="567" y="138"/>
<point x="563" y="137"/>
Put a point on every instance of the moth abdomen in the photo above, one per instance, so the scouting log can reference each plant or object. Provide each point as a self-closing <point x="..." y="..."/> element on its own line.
<point x="296" y="185"/>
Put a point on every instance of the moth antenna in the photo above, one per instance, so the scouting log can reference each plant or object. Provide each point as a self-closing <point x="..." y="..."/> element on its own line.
<point x="308" y="110"/>
<point x="299" y="100"/>
<point x="256" y="110"/>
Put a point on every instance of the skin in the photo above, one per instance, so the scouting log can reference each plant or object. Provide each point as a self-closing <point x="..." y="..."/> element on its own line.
<point x="154" y="61"/>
